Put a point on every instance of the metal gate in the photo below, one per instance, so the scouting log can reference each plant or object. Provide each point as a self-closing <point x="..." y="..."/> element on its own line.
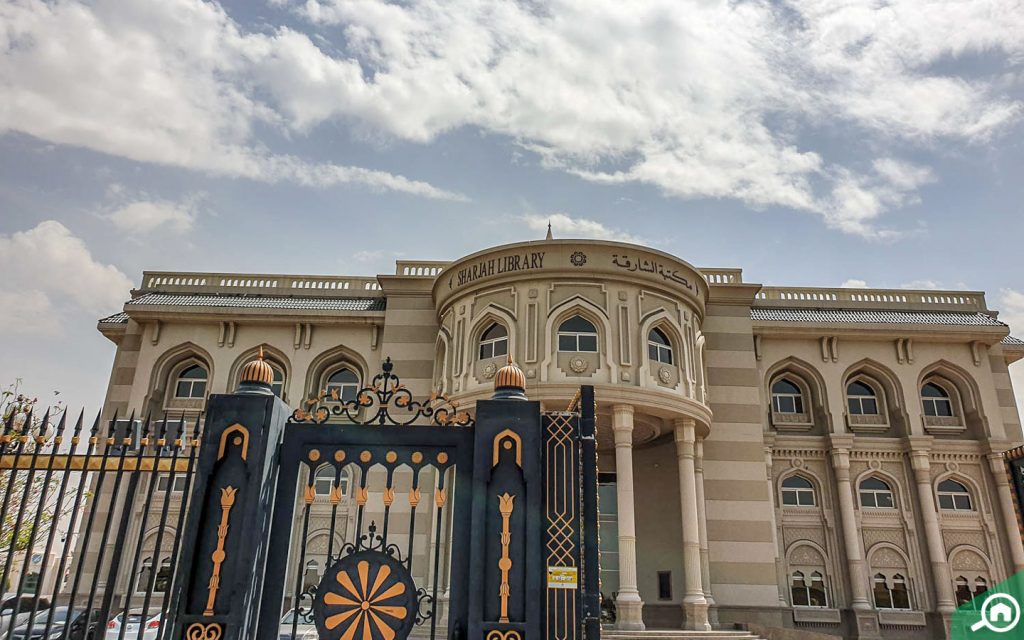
<point x="404" y="467"/>
<point x="371" y="517"/>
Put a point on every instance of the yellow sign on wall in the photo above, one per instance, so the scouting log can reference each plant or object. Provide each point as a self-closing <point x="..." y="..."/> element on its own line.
<point x="562" y="578"/>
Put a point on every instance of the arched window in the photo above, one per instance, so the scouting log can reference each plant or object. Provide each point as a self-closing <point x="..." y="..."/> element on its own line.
<point x="494" y="342"/>
<point x="797" y="491"/>
<point x="191" y="383"/>
<point x="980" y="586"/>
<point x="659" y="349"/>
<point x="954" y="496"/>
<point x="891" y="593"/>
<point x="163" y="577"/>
<point x="861" y="399"/>
<point x="323" y="482"/>
<point x="145" y="572"/>
<point x="808" y="591"/>
<point x="876" y="494"/>
<point x="577" y="335"/>
<point x="344" y="383"/>
<point x="787" y="397"/>
<point x="963" y="590"/>
<point x="936" y="401"/>
<point x="277" y="386"/>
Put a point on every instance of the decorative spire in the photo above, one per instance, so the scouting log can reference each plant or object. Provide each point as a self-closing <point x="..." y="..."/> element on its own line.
<point x="509" y="382"/>
<point x="549" y="236"/>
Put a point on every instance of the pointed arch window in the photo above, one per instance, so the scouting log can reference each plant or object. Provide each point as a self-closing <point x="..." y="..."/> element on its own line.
<point x="876" y="494"/>
<point x="787" y="397"/>
<point x="577" y="335"/>
<point x="323" y="482"/>
<point x="808" y="591"/>
<point x="191" y="382"/>
<point x="798" y="491"/>
<point x="163" y="576"/>
<point x="891" y="593"/>
<point x="659" y="349"/>
<point x="277" y="384"/>
<point x="980" y="586"/>
<point x="954" y="496"/>
<point x="861" y="399"/>
<point x="494" y="342"/>
<point x="345" y="382"/>
<point x="936" y="401"/>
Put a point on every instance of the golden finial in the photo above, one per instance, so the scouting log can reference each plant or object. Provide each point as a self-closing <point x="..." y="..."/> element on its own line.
<point x="257" y="370"/>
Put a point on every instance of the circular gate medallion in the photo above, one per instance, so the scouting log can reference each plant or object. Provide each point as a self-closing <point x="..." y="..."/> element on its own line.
<point x="365" y="596"/>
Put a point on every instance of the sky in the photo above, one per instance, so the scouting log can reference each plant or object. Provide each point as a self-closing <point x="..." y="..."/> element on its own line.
<point x="809" y="142"/>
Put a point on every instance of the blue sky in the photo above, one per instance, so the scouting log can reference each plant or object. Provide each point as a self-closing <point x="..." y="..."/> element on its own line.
<point x="810" y="142"/>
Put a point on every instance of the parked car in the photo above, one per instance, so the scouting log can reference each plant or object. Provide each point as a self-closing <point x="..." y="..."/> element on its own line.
<point x="24" y="610"/>
<point x="136" y="628"/>
<point x="304" y="630"/>
<point x="80" y="628"/>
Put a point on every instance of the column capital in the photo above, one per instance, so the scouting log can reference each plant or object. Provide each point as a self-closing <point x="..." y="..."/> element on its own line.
<point x="921" y="463"/>
<point x="997" y="463"/>
<point x="841" y="458"/>
<point x="622" y="410"/>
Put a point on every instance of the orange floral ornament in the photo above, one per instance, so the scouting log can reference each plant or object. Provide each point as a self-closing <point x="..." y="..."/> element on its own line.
<point x="365" y="596"/>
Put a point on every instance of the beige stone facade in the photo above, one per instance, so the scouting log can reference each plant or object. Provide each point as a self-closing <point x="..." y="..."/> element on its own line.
<point x="739" y="450"/>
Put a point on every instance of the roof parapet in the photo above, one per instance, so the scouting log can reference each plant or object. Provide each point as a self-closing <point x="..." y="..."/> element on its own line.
<point x="850" y="298"/>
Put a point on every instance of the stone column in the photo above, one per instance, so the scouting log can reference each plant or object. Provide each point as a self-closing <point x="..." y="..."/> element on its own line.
<point x="851" y="533"/>
<point x="694" y="604"/>
<point x="998" y="466"/>
<point x="781" y="575"/>
<point x="702" y="526"/>
<point x="628" y="605"/>
<point x="945" y="602"/>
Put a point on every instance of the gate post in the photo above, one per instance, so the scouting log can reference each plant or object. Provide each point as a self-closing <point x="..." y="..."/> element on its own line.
<point x="506" y="589"/>
<point x="219" y="574"/>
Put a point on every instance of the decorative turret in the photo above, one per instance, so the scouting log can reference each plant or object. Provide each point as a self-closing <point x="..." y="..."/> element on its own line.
<point x="509" y="382"/>
<point x="257" y="376"/>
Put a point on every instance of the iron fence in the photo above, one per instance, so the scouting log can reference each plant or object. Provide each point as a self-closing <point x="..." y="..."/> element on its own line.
<point x="85" y="514"/>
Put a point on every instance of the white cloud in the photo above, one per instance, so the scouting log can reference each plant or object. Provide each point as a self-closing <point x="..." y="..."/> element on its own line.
<point x="27" y="313"/>
<point x="854" y="283"/>
<point x="166" y="83"/>
<point x="563" y="226"/>
<point x="698" y="99"/>
<point x="146" y="216"/>
<point x="47" y="269"/>
<point x="1012" y="313"/>
<point x="923" y="284"/>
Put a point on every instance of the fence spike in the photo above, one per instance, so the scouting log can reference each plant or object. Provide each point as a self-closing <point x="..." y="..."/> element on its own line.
<point x="110" y="425"/>
<point x="96" y="424"/>
<point x="78" y="423"/>
<point x="61" y="426"/>
<point x="42" y="425"/>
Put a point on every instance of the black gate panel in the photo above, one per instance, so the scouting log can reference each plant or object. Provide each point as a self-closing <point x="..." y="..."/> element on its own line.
<point x="379" y="559"/>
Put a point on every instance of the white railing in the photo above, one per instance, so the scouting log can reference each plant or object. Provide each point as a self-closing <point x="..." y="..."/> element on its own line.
<point x="422" y="268"/>
<point x="722" y="276"/>
<point x="263" y="284"/>
<point x="874" y="298"/>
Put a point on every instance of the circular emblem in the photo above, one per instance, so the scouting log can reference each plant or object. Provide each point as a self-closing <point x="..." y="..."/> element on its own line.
<point x="365" y="596"/>
<point x="952" y="467"/>
<point x="578" y="364"/>
<point x="875" y="464"/>
<point x="797" y="463"/>
<point x="490" y="370"/>
<point x="664" y="375"/>
<point x="578" y="258"/>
